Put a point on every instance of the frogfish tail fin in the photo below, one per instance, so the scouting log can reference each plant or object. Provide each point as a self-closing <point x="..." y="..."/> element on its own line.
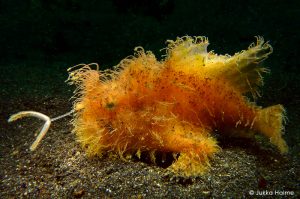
<point x="269" y="122"/>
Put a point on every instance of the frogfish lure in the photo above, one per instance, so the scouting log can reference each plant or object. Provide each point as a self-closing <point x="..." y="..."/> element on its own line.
<point x="171" y="106"/>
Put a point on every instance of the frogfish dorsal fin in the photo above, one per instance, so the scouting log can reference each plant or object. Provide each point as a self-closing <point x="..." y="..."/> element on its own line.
<point x="243" y="70"/>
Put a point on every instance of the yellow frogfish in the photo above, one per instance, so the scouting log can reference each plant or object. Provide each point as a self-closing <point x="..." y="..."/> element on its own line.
<point x="174" y="105"/>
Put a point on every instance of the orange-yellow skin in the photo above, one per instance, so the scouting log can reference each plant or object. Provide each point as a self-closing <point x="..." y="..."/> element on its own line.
<point x="173" y="105"/>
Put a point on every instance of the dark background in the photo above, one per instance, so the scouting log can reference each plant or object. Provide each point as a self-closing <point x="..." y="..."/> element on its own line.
<point x="106" y="31"/>
<point x="39" y="40"/>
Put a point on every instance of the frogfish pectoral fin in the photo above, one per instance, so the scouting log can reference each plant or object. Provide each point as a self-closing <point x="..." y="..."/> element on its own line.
<point x="195" y="146"/>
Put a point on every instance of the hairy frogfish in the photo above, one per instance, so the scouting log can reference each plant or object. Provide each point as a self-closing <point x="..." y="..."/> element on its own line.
<point x="174" y="105"/>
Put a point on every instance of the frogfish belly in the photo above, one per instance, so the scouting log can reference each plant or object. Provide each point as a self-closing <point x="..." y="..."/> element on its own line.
<point x="174" y="105"/>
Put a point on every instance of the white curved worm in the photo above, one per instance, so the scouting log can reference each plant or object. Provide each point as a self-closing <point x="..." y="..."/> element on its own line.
<point x="41" y="116"/>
